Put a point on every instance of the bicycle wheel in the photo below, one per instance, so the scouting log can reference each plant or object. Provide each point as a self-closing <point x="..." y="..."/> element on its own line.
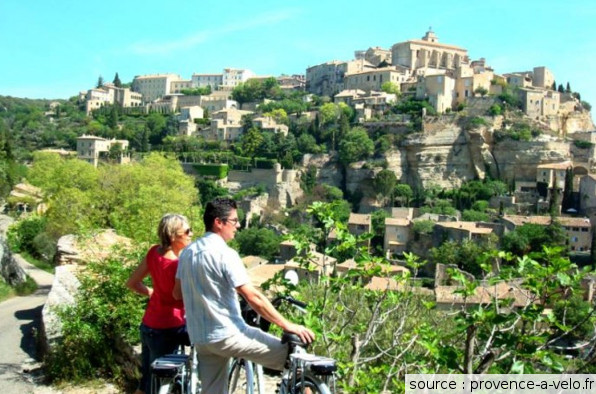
<point x="241" y="378"/>
<point x="311" y="385"/>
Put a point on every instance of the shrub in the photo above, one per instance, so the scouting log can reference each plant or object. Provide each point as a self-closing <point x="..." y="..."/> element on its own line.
<point x="216" y="170"/>
<point x="21" y="236"/>
<point x="98" y="330"/>
<point x="582" y="144"/>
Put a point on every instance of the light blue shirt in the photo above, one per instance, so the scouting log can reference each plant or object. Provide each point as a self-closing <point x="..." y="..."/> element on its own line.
<point x="209" y="272"/>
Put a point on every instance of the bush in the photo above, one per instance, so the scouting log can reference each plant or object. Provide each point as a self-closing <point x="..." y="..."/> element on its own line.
<point x="216" y="170"/>
<point x="21" y="236"/>
<point x="582" y="144"/>
<point x="98" y="330"/>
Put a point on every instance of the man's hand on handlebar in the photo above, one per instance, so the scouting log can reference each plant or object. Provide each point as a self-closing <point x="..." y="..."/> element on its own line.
<point x="305" y="334"/>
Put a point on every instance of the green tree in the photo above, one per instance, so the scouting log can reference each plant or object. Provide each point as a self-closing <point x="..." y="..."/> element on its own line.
<point x="251" y="141"/>
<point x="390" y="87"/>
<point x="356" y="145"/>
<point x="568" y="88"/>
<point x="99" y="82"/>
<point x="403" y="192"/>
<point x="261" y="242"/>
<point x="117" y="81"/>
<point x="384" y="183"/>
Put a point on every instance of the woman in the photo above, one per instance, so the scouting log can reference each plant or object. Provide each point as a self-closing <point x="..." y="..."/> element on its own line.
<point x="164" y="327"/>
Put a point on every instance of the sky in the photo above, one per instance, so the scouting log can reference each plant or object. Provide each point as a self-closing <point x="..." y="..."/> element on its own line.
<point x="56" y="48"/>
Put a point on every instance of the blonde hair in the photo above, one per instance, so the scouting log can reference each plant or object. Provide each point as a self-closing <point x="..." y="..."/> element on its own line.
<point x="168" y="227"/>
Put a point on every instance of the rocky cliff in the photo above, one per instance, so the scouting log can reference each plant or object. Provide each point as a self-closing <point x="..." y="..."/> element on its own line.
<point x="449" y="152"/>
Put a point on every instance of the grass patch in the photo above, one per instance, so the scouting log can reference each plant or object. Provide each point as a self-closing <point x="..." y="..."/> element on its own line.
<point x="41" y="264"/>
<point x="6" y="291"/>
<point x="27" y="287"/>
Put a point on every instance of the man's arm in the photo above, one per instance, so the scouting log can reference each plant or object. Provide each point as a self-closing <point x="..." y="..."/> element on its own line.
<point x="263" y="307"/>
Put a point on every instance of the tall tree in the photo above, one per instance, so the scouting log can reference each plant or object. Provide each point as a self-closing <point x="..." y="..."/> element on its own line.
<point x="99" y="82"/>
<point x="117" y="81"/>
<point x="568" y="88"/>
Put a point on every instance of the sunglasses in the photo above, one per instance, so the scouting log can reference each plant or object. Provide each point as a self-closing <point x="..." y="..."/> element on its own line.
<point x="233" y="221"/>
<point x="188" y="231"/>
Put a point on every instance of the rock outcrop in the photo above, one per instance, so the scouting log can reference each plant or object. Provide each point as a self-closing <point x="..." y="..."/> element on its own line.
<point x="11" y="271"/>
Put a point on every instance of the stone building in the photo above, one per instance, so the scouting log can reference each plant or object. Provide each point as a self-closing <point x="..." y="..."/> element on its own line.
<point x="154" y="86"/>
<point x="374" y="55"/>
<point x="427" y="54"/>
<point x="109" y="94"/>
<point x="327" y="79"/>
<point x="92" y="149"/>
<point x="397" y="235"/>
<point x="369" y="80"/>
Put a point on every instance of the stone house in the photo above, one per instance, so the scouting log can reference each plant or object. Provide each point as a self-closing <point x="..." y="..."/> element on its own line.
<point x="154" y="86"/>
<point x="397" y="235"/>
<point x="108" y="94"/>
<point x="327" y="79"/>
<point x="428" y="54"/>
<point x="226" y="125"/>
<point x="369" y="80"/>
<point x="460" y="231"/>
<point x="92" y="149"/>
<point x="438" y="89"/>
<point x="577" y="230"/>
<point x="267" y="123"/>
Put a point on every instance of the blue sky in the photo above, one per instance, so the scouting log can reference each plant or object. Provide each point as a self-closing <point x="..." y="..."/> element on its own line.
<point x="55" y="48"/>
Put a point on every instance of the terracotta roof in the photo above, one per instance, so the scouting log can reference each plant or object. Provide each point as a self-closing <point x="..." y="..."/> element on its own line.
<point x="468" y="226"/>
<point x="263" y="272"/>
<point x="519" y="220"/>
<point x="396" y="222"/>
<point x="359" y="218"/>
<point x="485" y="294"/>
<point x="253" y="261"/>
<point x="386" y="268"/>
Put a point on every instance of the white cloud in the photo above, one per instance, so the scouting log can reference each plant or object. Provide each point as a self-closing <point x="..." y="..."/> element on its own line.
<point x="161" y="48"/>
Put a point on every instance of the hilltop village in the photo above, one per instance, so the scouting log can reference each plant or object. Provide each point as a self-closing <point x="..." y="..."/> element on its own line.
<point x="518" y="127"/>
<point x="434" y="120"/>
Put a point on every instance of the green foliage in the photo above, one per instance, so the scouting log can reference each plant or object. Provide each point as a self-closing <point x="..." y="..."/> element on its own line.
<point x="467" y="255"/>
<point x="209" y="190"/>
<point x="404" y="193"/>
<point x="390" y="87"/>
<point x="583" y="144"/>
<point x="384" y="183"/>
<point x="98" y="329"/>
<point x="257" y="89"/>
<point x="261" y="242"/>
<point x="439" y="206"/>
<point x="423" y="227"/>
<point x="471" y="215"/>
<point x="289" y="105"/>
<point x="356" y="145"/>
<point x="531" y="237"/>
<point x="587" y="106"/>
<point x="218" y="171"/>
<point x="495" y="110"/>
<point x="481" y="91"/>
<point x="199" y="91"/>
<point x="476" y="122"/>
<point x="131" y="198"/>
<point x="22" y="235"/>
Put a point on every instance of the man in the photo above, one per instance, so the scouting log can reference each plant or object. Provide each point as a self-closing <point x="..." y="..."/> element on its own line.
<point x="210" y="275"/>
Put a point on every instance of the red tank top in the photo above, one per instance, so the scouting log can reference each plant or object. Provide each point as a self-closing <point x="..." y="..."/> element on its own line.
<point x="163" y="311"/>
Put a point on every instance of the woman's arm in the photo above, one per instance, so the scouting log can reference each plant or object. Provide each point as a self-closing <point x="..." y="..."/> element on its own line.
<point x="135" y="281"/>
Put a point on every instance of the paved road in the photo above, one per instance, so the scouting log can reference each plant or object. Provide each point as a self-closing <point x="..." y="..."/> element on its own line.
<point x="19" y="320"/>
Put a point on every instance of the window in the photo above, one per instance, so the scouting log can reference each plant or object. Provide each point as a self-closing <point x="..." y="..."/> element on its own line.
<point x="573" y="239"/>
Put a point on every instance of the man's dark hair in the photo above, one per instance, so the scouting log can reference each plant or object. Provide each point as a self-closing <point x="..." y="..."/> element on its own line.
<point x="220" y="207"/>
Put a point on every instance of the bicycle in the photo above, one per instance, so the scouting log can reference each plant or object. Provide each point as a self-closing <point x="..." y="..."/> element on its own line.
<point x="303" y="372"/>
<point x="176" y="373"/>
